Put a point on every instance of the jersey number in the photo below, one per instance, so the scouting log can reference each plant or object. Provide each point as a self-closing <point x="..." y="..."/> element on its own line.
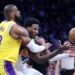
<point x="0" y="39"/>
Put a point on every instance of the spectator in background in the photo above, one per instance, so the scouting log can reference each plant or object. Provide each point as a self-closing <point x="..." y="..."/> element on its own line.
<point x="66" y="66"/>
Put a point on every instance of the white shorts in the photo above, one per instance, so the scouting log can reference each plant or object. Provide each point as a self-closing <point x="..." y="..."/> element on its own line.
<point x="31" y="71"/>
<point x="19" y="72"/>
<point x="25" y="70"/>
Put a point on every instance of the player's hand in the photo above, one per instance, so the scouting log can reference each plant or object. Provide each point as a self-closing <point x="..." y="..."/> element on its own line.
<point x="72" y="47"/>
<point x="47" y="45"/>
<point x="39" y="41"/>
<point x="64" y="47"/>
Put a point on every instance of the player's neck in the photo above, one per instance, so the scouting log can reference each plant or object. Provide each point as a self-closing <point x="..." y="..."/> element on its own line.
<point x="11" y="19"/>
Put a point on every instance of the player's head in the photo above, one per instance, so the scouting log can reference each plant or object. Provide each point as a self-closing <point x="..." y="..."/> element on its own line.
<point x="11" y="11"/>
<point x="72" y="35"/>
<point x="32" y="26"/>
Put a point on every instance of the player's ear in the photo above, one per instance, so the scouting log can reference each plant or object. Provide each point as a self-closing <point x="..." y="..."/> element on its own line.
<point x="12" y="14"/>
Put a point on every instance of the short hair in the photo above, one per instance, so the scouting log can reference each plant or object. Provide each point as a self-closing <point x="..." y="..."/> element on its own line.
<point x="29" y="21"/>
<point x="8" y="8"/>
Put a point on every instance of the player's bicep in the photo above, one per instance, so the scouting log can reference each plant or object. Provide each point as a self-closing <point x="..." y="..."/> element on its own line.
<point x="18" y="31"/>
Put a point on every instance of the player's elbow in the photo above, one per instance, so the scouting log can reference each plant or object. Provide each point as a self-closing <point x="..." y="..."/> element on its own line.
<point x="39" y="61"/>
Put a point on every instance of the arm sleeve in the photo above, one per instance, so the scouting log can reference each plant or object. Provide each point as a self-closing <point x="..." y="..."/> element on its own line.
<point x="59" y="57"/>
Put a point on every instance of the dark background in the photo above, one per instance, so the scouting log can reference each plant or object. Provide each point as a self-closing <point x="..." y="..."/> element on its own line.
<point x="56" y="17"/>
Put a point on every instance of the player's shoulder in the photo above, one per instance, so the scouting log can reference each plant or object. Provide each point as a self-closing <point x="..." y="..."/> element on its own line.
<point x="8" y="22"/>
<point x="11" y="22"/>
<point x="3" y="22"/>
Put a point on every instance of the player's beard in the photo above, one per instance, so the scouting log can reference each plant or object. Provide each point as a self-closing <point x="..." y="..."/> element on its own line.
<point x="31" y="35"/>
<point x="18" y="20"/>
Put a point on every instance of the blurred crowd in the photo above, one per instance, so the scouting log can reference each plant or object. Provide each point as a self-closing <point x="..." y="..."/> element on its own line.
<point x="56" y="17"/>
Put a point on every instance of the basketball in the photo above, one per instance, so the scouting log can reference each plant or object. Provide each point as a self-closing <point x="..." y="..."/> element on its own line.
<point x="72" y="35"/>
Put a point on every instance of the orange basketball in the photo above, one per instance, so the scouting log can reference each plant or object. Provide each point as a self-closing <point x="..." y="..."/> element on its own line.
<point x="72" y="35"/>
